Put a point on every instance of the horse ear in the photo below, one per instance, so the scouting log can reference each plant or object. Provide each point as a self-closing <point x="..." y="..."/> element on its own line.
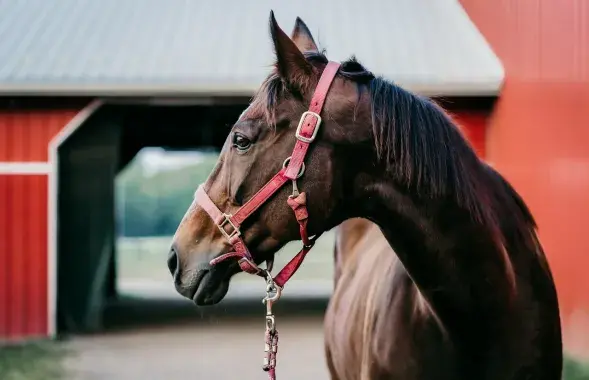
<point x="290" y="61"/>
<point x="301" y="36"/>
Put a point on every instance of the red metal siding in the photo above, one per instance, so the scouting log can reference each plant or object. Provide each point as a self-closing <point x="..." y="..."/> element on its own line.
<point x="473" y="125"/>
<point x="539" y="133"/>
<point x="23" y="256"/>
<point x="24" y="135"/>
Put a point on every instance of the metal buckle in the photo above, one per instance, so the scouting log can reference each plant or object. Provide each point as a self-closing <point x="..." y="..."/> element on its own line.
<point x="234" y="233"/>
<point x="300" y="126"/>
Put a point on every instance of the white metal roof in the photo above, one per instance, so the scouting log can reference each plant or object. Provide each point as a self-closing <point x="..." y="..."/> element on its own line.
<point x="223" y="47"/>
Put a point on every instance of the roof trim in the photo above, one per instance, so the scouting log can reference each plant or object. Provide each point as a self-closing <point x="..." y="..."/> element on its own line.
<point x="490" y="87"/>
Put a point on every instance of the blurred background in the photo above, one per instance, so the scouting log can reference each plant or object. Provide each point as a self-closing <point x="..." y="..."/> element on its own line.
<point x="112" y="112"/>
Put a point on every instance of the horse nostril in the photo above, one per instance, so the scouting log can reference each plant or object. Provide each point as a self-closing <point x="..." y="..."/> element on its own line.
<point x="173" y="261"/>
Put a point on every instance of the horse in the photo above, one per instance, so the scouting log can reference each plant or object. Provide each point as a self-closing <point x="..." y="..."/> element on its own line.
<point x="323" y="142"/>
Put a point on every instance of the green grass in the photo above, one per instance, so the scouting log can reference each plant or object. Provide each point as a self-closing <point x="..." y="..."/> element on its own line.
<point x="33" y="361"/>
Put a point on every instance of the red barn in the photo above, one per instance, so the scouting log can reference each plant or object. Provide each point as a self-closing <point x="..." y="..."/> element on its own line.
<point x="87" y="88"/>
<point x="538" y="134"/>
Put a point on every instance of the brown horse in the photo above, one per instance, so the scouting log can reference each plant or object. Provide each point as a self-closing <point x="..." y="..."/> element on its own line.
<point x="488" y="306"/>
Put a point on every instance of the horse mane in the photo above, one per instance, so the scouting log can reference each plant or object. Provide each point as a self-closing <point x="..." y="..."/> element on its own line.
<point x="415" y="139"/>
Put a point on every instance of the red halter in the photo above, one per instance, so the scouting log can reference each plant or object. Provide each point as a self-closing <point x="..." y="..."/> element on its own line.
<point x="293" y="168"/>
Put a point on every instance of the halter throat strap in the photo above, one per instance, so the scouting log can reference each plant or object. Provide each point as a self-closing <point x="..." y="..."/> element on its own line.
<point x="293" y="168"/>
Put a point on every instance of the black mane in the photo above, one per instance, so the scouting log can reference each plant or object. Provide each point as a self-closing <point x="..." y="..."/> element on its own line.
<point x="417" y="142"/>
<point x="422" y="148"/>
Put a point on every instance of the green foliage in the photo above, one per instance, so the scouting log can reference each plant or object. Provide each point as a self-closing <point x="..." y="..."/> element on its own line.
<point x="153" y="205"/>
<point x="575" y="369"/>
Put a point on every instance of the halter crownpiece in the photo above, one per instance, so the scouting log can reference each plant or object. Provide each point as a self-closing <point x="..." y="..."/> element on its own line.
<point x="292" y="169"/>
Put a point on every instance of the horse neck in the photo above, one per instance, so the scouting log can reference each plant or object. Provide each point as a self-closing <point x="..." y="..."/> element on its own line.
<point x="455" y="262"/>
<point x="370" y="269"/>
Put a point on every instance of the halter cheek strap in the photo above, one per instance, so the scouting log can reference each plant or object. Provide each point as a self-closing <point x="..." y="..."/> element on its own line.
<point x="293" y="169"/>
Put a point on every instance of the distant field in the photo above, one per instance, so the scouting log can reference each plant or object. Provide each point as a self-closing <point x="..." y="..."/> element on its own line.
<point x="145" y="259"/>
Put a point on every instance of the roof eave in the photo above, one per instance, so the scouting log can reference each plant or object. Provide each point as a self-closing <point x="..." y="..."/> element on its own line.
<point x="490" y="87"/>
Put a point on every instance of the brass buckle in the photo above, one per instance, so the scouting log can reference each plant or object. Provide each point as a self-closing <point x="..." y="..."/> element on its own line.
<point x="232" y="234"/>
<point x="298" y="135"/>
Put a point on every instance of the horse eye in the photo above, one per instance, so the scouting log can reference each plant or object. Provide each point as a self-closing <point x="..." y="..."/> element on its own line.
<point x="241" y="142"/>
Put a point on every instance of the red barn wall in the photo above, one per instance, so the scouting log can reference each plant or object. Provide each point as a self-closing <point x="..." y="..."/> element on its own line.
<point x="25" y="134"/>
<point x="23" y="256"/>
<point x="24" y="137"/>
<point x="473" y="125"/>
<point x="538" y="135"/>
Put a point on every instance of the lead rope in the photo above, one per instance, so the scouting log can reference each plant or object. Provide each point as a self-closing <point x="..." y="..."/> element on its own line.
<point x="298" y="202"/>
<point x="273" y="293"/>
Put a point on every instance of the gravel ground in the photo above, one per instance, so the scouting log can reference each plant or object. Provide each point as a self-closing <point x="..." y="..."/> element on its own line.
<point x="217" y="349"/>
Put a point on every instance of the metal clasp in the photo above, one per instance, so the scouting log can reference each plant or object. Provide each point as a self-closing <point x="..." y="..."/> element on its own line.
<point x="300" y="127"/>
<point x="227" y="220"/>
<point x="295" y="189"/>
<point x="273" y="293"/>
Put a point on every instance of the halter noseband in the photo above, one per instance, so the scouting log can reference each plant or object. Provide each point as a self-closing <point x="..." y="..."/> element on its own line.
<point x="292" y="169"/>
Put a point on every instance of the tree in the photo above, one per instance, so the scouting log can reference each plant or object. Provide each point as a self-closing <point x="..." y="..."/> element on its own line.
<point x="154" y="205"/>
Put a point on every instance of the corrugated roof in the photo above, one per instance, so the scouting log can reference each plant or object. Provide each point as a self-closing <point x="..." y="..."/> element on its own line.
<point x="223" y="47"/>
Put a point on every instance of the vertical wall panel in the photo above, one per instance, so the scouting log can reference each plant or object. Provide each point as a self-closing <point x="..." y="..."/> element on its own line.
<point x="5" y="257"/>
<point x="25" y="134"/>
<point x="24" y="137"/>
<point x="23" y="256"/>
<point x="538" y="135"/>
